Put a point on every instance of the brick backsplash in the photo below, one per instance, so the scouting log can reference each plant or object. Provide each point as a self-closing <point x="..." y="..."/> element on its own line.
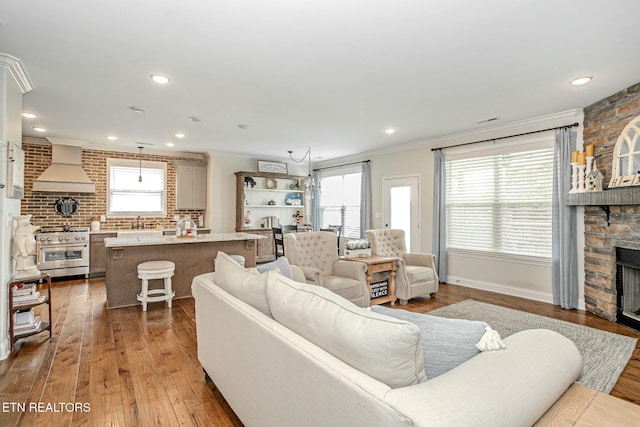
<point x="94" y="162"/>
<point x="603" y="123"/>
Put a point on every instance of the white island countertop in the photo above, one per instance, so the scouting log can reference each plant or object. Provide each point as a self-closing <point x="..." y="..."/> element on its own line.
<point x="154" y="240"/>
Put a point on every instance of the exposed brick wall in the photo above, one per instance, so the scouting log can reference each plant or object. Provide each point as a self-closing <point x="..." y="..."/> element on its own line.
<point x="603" y="123"/>
<point x="94" y="162"/>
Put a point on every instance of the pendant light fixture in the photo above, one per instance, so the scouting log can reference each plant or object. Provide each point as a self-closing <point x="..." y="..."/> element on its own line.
<point x="310" y="181"/>
<point x="140" y="147"/>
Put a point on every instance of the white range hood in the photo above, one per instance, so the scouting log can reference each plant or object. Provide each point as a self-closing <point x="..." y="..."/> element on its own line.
<point x="65" y="175"/>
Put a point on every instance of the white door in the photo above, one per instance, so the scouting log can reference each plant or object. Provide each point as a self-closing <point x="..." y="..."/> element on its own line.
<point x="401" y="207"/>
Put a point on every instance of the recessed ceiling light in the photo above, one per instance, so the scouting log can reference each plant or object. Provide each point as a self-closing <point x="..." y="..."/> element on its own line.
<point x="390" y="131"/>
<point x="112" y="137"/>
<point x="160" y="79"/>
<point x="170" y="144"/>
<point x="136" y="110"/>
<point x="179" y="135"/>
<point x="39" y="129"/>
<point x="581" y="81"/>
<point x="29" y="115"/>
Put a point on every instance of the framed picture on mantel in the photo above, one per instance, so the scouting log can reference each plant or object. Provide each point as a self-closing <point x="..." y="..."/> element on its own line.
<point x="272" y="167"/>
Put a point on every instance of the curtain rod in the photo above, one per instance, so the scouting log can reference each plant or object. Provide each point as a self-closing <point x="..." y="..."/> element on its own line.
<point x="510" y="136"/>
<point x="339" y="166"/>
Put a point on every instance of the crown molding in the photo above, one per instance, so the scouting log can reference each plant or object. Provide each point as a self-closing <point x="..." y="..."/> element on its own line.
<point x="520" y="126"/>
<point x="512" y="128"/>
<point x="101" y="147"/>
<point x="18" y="72"/>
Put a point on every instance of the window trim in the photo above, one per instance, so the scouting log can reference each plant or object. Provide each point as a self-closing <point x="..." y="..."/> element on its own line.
<point x="333" y="172"/>
<point x="523" y="144"/>
<point x="135" y="164"/>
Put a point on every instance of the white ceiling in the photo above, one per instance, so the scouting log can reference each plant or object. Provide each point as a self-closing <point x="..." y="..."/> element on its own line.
<point x="327" y="74"/>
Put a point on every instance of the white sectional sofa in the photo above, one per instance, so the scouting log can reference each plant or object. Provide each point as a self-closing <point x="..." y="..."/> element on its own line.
<point x="283" y="353"/>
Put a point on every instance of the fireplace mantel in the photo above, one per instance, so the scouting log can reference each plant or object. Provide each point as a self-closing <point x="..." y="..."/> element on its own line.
<point x="624" y="196"/>
<point x="611" y="197"/>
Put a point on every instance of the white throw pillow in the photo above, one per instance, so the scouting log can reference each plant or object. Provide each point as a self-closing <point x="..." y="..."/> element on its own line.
<point x="247" y="285"/>
<point x="382" y="347"/>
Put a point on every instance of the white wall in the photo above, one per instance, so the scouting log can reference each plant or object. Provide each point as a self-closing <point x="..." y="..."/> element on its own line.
<point x="221" y="210"/>
<point x="511" y="276"/>
<point x="10" y="131"/>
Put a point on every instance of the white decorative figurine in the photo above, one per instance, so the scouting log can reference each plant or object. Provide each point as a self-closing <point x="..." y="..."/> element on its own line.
<point x="24" y="248"/>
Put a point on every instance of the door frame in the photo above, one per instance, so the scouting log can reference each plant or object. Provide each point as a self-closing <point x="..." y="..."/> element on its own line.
<point x="417" y="240"/>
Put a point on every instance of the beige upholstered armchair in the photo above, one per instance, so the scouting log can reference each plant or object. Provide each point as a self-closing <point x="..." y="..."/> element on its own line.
<point x="315" y="254"/>
<point x="416" y="273"/>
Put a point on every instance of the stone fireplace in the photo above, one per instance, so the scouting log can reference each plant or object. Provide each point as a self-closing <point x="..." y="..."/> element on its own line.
<point x="610" y="222"/>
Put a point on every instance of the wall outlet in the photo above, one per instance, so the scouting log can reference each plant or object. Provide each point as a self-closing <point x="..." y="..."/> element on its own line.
<point x="103" y="218"/>
<point x="176" y="218"/>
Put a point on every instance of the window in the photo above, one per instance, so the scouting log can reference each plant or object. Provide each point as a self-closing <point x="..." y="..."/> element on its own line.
<point x="340" y="202"/>
<point x="128" y="196"/>
<point x="501" y="203"/>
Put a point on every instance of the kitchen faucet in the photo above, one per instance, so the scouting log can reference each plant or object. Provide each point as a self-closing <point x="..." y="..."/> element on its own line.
<point x="137" y="226"/>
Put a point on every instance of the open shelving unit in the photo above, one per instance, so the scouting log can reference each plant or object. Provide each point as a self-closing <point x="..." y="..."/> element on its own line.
<point x="268" y="195"/>
<point x="42" y="281"/>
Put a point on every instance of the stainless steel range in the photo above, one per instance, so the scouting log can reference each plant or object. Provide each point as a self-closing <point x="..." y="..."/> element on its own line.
<point x="63" y="251"/>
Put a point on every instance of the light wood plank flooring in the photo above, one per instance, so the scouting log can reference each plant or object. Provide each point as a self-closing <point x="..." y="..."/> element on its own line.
<point x="140" y="369"/>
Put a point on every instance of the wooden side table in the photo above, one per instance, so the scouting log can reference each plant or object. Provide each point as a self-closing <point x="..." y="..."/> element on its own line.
<point x="380" y="264"/>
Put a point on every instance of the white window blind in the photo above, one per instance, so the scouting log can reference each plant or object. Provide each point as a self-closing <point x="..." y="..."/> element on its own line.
<point x="130" y="197"/>
<point x="501" y="203"/>
<point x="340" y="202"/>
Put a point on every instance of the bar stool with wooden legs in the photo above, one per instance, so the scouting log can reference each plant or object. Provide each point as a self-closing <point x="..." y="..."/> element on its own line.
<point x="156" y="270"/>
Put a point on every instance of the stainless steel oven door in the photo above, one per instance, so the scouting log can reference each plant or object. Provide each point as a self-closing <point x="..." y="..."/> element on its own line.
<point x="63" y="256"/>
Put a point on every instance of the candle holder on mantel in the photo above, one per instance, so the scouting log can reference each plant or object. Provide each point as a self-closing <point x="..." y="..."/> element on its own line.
<point x="589" y="166"/>
<point x="581" y="179"/>
<point x="574" y="177"/>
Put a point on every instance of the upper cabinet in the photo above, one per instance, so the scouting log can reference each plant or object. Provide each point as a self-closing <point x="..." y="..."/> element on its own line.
<point x="191" y="185"/>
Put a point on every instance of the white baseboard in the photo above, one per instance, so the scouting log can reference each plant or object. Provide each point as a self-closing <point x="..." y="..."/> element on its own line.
<point x="4" y="349"/>
<point x="501" y="289"/>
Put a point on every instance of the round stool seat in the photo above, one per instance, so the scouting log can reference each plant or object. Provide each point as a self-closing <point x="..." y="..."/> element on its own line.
<point x="155" y="265"/>
<point x="156" y="270"/>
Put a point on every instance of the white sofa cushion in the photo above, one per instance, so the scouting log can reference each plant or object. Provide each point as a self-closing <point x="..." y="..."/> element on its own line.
<point x="446" y="343"/>
<point x="385" y="348"/>
<point x="247" y="285"/>
<point x="418" y="273"/>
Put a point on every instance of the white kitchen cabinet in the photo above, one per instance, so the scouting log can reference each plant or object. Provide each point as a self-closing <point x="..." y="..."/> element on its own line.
<point x="191" y="185"/>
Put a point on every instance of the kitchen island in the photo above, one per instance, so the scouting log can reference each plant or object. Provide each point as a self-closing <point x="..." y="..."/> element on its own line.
<point x="191" y="255"/>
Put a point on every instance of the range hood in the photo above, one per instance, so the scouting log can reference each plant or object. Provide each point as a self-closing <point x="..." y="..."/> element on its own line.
<point x="65" y="175"/>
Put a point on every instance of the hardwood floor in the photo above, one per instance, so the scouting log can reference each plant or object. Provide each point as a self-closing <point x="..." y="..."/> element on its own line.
<point x="124" y="367"/>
